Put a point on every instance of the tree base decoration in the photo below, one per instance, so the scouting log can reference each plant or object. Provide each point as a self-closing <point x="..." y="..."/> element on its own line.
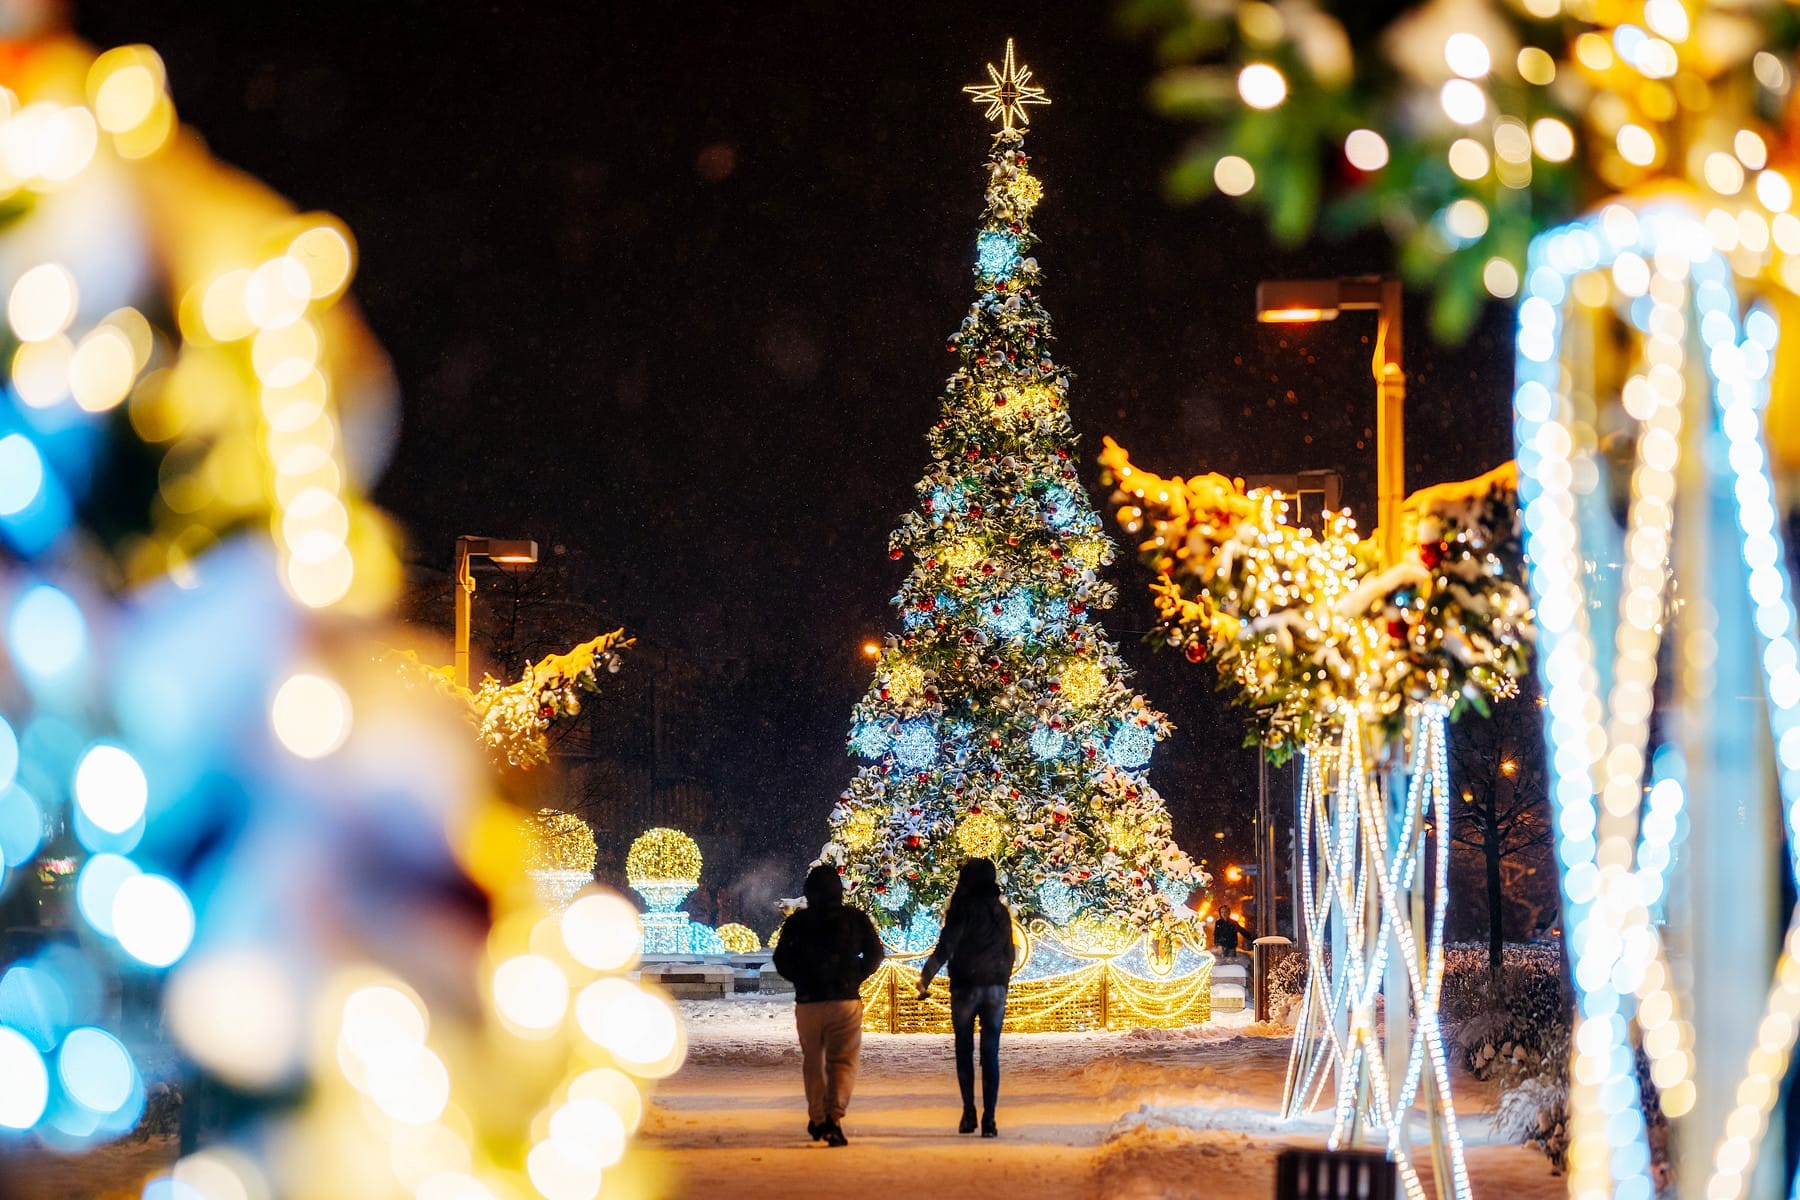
<point x="1357" y="667"/>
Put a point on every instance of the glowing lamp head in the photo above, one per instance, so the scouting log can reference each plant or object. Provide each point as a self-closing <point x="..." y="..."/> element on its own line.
<point x="871" y="650"/>
<point x="1296" y="301"/>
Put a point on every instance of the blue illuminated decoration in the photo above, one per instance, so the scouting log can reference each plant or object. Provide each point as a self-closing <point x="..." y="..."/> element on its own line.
<point x="996" y="254"/>
<point x="1010" y="616"/>
<point x="704" y="939"/>
<point x="1059" y="507"/>
<point x="916" y="744"/>
<point x="946" y="603"/>
<point x="1046" y="742"/>
<point x="945" y="501"/>
<point x="1056" y="611"/>
<point x="870" y="740"/>
<point x="897" y="896"/>
<point x="920" y="935"/>
<point x="1130" y="746"/>
<point x="914" y="618"/>
<point x="1058" y="901"/>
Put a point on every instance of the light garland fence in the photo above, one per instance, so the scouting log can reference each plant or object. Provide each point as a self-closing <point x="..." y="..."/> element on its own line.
<point x="1365" y="847"/>
<point x="1161" y="981"/>
<point x="1662" y="964"/>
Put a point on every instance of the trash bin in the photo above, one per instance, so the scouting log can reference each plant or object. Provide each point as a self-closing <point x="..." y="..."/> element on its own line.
<point x="1265" y="952"/>
<point x="1335" y="1175"/>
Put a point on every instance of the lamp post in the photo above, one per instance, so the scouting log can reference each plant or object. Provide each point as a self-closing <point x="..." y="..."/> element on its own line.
<point x="1298" y="301"/>
<point x="500" y="550"/>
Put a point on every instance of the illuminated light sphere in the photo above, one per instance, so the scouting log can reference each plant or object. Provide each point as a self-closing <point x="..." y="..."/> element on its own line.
<point x="916" y="744"/>
<point x="1059" y="507"/>
<point x="1463" y="101"/>
<point x="869" y="739"/>
<point x="1536" y="66"/>
<point x="1366" y="150"/>
<point x="739" y="939"/>
<point x="324" y="253"/>
<point x="102" y="369"/>
<point x="1262" y="86"/>
<point x="663" y="855"/>
<point x="531" y="992"/>
<point x="21" y="474"/>
<point x="1130" y="745"/>
<point x="1058" y="901"/>
<point x="613" y="1088"/>
<point x="558" y="1177"/>
<point x="1500" y="278"/>
<point x="1010" y="616"/>
<point x="152" y="919"/>
<point x="996" y="254"/>
<point x="897" y="896"/>
<point x="110" y="788"/>
<point x="27" y="1087"/>
<point x="859" y="829"/>
<point x="601" y="931"/>
<point x="980" y="835"/>
<point x="96" y="1070"/>
<point x="46" y="632"/>
<point x="1233" y="175"/>
<point x="1047" y="743"/>
<point x="42" y="303"/>
<point x="1468" y="158"/>
<point x="311" y="715"/>
<point x="9" y="762"/>
<point x="905" y="680"/>
<point x="921" y="933"/>
<point x="126" y="98"/>
<point x="560" y="841"/>
<point x="1467" y="55"/>
<point x="1082" y="681"/>
<point x="1026" y="190"/>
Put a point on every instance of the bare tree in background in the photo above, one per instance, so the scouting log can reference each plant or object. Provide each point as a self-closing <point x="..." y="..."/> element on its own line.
<point x="1501" y="804"/>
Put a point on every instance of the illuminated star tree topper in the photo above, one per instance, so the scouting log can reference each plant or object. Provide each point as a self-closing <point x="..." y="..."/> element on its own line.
<point x="1007" y="91"/>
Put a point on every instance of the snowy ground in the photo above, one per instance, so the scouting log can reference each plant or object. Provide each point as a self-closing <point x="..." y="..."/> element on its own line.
<point x="1128" y="1116"/>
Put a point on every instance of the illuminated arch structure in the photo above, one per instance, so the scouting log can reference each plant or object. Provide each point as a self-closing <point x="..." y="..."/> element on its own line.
<point x="1663" y="961"/>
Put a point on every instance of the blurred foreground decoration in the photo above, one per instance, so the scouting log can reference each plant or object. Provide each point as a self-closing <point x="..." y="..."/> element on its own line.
<point x="514" y="719"/>
<point x="276" y="848"/>
<point x="1358" y="666"/>
<point x="1465" y="127"/>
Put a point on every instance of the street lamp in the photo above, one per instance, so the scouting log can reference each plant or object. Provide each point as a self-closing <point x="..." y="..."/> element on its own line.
<point x="1296" y="301"/>
<point x="500" y="550"/>
<point x="871" y="650"/>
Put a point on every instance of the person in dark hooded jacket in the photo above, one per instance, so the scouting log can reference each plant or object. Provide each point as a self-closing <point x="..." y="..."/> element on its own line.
<point x="977" y="945"/>
<point x="826" y="950"/>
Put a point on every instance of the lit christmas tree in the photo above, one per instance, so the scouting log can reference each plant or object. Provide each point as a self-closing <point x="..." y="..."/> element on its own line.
<point x="998" y="722"/>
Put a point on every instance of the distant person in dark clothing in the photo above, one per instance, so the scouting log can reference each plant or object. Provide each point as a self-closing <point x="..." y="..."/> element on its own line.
<point x="1227" y="933"/>
<point x="977" y="944"/>
<point x="826" y="950"/>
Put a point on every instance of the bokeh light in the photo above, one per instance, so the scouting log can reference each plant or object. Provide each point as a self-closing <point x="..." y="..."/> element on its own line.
<point x="21" y="473"/>
<point x="42" y="303"/>
<point x="152" y="919"/>
<point x="1233" y="175"/>
<point x="1366" y="150"/>
<point x="310" y="715"/>
<point x="1262" y="86"/>
<point x="24" y="1081"/>
<point x="601" y="931"/>
<point x="110" y="788"/>
<point x="632" y="1025"/>
<point x="531" y="991"/>
<point x="235" y="1013"/>
<point x="46" y="632"/>
<point x="96" y="1070"/>
<point x="557" y="1176"/>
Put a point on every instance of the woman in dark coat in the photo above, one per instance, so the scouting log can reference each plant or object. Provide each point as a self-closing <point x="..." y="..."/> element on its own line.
<point x="977" y="944"/>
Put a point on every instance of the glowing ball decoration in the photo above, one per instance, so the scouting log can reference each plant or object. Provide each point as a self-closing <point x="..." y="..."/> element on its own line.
<point x="1011" y="616"/>
<point x="980" y="835"/>
<point x="1046" y="742"/>
<point x="663" y="856"/>
<point x="897" y="896"/>
<point x="869" y="739"/>
<point x="1082" y="681"/>
<point x="916" y="744"/>
<point x="1058" y="901"/>
<point x="560" y="856"/>
<point x="739" y="939"/>
<point x="996" y="254"/>
<point x="1130" y="746"/>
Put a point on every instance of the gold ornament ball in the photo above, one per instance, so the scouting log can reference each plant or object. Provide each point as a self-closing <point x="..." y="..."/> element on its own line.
<point x="979" y="835"/>
<point x="560" y="841"/>
<point x="739" y="939"/>
<point x="661" y="856"/>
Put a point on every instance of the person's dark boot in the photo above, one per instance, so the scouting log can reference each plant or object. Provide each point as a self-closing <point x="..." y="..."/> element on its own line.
<point x="968" y="1120"/>
<point x="834" y="1134"/>
<point x="988" y="1128"/>
<point x="816" y="1130"/>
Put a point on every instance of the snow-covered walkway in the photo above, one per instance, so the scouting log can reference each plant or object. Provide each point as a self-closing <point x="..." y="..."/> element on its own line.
<point x="1126" y="1116"/>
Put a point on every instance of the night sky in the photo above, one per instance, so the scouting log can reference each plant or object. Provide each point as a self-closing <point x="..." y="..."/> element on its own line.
<point x="669" y="285"/>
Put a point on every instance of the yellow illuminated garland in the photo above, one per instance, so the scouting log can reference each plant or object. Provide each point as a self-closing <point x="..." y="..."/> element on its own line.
<point x="663" y="856"/>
